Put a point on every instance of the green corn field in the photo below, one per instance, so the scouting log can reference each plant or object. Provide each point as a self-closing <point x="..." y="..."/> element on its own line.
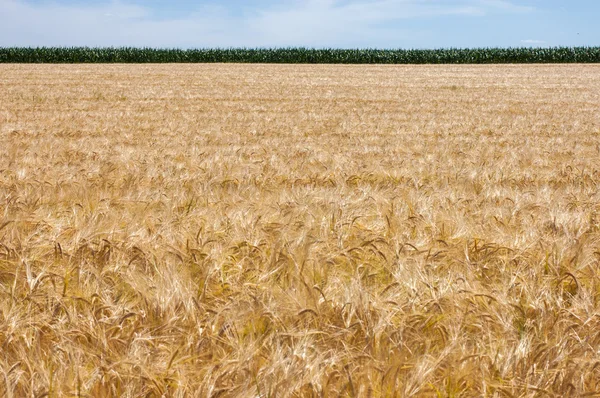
<point x="300" y="55"/>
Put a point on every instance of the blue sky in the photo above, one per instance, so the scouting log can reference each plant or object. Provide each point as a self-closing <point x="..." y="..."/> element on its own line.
<point x="309" y="23"/>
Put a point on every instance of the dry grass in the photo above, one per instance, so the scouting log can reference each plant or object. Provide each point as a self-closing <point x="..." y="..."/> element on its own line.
<point x="229" y="230"/>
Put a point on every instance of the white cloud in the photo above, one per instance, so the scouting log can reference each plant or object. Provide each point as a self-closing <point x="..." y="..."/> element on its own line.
<point x="319" y="23"/>
<point x="311" y="22"/>
<point x="505" y="5"/>
<point x="532" y="41"/>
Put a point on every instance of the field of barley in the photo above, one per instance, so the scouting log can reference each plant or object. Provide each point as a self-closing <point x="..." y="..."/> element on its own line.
<point x="299" y="231"/>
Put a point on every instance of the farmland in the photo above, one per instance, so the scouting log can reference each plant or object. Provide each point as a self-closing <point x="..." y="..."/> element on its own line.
<point x="300" y="55"/>
<point x="299" y="230"/>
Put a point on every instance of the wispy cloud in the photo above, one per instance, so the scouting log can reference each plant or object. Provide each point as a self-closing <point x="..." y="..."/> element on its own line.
<point x="319" y="23"/>
<point x="533" y="41"/>
<point x="348" y="22"/>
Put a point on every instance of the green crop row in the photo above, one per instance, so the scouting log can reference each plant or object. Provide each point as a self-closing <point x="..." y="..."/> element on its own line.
<point x="300" y="55"/>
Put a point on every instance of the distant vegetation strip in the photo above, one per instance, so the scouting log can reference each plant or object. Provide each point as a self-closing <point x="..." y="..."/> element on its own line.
<point x="300" y="55"/>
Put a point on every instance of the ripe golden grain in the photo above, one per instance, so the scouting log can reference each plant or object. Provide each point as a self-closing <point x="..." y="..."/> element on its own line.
<point x="253" y="230"/>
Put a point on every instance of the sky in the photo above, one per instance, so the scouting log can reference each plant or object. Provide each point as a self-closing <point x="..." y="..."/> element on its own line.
<point x="306" y="23"/>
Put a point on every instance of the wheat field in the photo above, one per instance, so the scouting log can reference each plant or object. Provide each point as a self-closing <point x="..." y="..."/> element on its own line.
<point x="299" y="231"/>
